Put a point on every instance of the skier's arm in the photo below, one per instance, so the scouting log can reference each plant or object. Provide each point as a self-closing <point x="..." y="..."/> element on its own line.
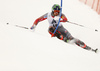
<point x="64" y="19"/>
<point x="39" y="20"/>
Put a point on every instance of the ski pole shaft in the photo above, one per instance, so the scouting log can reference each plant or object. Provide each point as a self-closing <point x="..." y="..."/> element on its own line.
<point x="75" y="23"/>
<point x="19" y="26"/>
<point x="82" y="26"/>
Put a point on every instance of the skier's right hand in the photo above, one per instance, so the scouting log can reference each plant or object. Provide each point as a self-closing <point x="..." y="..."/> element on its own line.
<point x="33" y="27"/>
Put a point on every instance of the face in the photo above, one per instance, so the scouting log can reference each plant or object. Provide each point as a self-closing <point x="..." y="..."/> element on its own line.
<point x="56" y="12"/>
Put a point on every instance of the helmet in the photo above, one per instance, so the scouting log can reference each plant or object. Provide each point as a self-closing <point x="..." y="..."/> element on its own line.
<point x="55" y="7"/>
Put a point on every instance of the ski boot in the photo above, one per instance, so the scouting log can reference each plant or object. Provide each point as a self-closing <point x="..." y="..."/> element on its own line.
<point x="89" y="48"/>
<point x="83" y="45"/>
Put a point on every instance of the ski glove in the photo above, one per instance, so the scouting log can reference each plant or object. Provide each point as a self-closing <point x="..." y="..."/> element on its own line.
<point x="33" y="27"/>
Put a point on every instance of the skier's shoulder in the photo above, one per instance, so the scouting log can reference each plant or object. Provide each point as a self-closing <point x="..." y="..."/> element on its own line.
<point x="62" y="14"/>
<point x="44" y="15"/>
<point x="49" y="13"/>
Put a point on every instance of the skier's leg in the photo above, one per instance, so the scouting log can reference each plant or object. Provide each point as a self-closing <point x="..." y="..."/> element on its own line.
<point x="83" y="45"/>
<point x="57" y="33"/>
<point x="64" y="35"/>
<point x="70" y="39"/>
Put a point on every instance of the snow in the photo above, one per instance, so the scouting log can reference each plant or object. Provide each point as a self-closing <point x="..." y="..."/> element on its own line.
<point x="25" y="50"/>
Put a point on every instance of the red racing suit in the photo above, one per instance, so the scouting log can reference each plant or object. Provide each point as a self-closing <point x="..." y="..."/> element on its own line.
<point x="45" y="16"/>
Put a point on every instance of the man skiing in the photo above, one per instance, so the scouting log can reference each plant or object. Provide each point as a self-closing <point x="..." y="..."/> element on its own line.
<point x="61" y="32"/>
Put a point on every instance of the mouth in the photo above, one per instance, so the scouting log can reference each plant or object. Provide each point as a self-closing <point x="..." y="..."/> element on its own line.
<point x="56" y="13"/>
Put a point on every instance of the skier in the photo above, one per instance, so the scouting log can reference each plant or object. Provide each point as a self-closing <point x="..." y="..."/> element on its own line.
<point x="61" y="32"/>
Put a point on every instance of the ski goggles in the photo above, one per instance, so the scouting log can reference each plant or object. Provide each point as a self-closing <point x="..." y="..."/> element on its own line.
<point x="57" y="11"/>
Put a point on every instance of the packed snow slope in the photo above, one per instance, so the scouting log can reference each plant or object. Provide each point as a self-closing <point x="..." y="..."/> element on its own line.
<point x="26" y="50"/>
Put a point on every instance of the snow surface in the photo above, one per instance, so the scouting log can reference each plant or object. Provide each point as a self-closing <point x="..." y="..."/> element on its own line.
<point x="25" y="50"/>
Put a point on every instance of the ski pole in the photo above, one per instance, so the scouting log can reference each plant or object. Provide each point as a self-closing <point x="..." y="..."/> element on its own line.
<point x="75" y="23"/>
<point x="27" y="29"/>
<point x="82" y="26"/>
<point x="19" y="26"/>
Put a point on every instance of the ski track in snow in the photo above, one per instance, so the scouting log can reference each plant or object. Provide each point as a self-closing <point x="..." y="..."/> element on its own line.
<point x="25" y="50"/>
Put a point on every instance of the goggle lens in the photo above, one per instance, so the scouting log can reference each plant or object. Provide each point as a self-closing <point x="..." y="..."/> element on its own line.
<point x="56" y="11"/>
